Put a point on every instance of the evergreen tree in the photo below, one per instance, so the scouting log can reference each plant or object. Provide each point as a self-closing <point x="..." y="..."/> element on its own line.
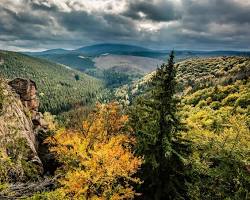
<point x="156" y="124"/>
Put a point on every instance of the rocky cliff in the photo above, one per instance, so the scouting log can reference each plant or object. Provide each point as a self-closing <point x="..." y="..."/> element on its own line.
<point x="20" y="122"/>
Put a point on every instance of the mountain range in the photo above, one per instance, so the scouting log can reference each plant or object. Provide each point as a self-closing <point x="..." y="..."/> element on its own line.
<point x="121" y="57"/>
<point x="125" y="49"/>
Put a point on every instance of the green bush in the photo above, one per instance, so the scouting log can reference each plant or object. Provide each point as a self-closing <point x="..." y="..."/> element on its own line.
<point x="244" y="100"/>
<point x="230" y="99"/>
<point x="15" y="163"/>
<point x="215" y="105"/>
<point x="53" y="195"/>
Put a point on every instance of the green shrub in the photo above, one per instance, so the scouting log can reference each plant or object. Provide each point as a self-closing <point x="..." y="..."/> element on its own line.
<point x="53" y="195"/>
<point x="202" y="103"/>
<point x="244" y="100"/>
<point x="230" y="99"/>
<point x="215" y="105"/>
<point x="15" y="164"/>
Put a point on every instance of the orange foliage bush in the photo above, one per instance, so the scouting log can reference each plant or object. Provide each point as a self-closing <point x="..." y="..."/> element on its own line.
<point x="99" y="162"/>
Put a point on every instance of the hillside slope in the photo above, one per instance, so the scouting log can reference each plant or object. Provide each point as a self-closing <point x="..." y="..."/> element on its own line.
<point x="59" y="87"/>
<point x="217" y="121"/>
<point x="194" y="74"/>
<point x="120" y="63"/>
<point x="75" y="60"/>
<point x="130" y="62"/>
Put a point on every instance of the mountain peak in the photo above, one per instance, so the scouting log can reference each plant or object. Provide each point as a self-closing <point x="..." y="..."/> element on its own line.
<point x="110" y="48"/>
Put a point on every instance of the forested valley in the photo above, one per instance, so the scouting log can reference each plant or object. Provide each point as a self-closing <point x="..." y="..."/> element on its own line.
<point x="180" y="132"/>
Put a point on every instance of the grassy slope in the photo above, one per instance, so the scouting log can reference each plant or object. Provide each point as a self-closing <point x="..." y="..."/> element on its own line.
<point x="57" y="86"/>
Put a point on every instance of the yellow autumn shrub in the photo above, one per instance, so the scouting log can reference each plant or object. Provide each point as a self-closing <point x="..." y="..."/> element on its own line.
<point x="98" y="163"/>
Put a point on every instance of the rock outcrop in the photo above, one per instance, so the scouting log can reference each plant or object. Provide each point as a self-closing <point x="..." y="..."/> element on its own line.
<point x="27" y="92"/>
<point x="27" y="89"/>
<point x="20" y="122"/>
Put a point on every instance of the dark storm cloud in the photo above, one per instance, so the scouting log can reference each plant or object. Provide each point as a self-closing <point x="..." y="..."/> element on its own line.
<point x="191" y="24"/>
<point x="162" y="10"/>
<point x="221" y="11"/>
<point x="98" y="27"/>
<point x="27" y="27"/>
<point x="22" y="25"/>
<point x="218" y="23"/>
<point x="23" y="17"/>
<point x="41" y="6"/>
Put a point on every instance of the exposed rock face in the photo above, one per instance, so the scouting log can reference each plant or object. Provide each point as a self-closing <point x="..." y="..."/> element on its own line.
<point x="20" y="121"/>
<point x="27" y="92"/>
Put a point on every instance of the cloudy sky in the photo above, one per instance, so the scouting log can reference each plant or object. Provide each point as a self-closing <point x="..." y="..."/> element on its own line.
<point x="159" y="24"/>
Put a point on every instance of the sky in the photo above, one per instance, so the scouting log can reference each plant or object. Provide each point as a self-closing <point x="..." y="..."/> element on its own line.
<point x="33" y="25"/>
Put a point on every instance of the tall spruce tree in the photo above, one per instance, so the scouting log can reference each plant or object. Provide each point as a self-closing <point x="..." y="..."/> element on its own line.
<point x="156" y="124"/>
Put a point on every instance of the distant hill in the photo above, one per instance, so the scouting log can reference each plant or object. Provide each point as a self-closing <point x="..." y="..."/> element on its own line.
<point x="128" y="60"/>
<point x="99" y="49"/>
<point x="50" y="51"/>
<point x="95" y="50"/>
<point x="88" y="58"/>
<point x="75" y="60"/>
<point x="124" y="49"/>
<point x="85" y="63"/>
<point x="59" y="86"/>
<point x="125" y="63"/>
